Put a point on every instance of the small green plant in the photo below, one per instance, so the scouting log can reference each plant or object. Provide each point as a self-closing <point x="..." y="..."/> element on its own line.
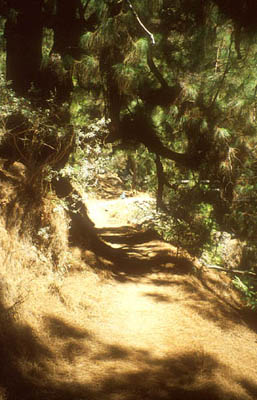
<point x="248" y="287"/>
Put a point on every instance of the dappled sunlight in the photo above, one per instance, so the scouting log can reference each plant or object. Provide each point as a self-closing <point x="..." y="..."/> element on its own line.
<point x="95" y="338"/>
<point x="135" y="322"/>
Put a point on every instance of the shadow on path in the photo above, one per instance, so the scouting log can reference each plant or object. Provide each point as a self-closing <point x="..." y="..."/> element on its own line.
<point x="26" y="372"/>
<point x="137" y="254"/>
<point x="31" y="369"/>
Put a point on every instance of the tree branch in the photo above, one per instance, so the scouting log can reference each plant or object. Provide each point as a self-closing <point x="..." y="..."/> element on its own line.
<point x="154" y="145"/>
<point x="154" y="69"/>
<point x="139" y="130"/>
<point x="233" y="271"/>
<point x="151" y="36"/>
<point x="223" y="76"/>
<point x="150" y="61"/>
<point x="85" y="6"/>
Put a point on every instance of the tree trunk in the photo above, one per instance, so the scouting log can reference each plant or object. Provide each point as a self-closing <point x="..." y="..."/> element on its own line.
<point x="68" y="28"/>
<point x="23" y="32"/>
<point x="113" y="99"/>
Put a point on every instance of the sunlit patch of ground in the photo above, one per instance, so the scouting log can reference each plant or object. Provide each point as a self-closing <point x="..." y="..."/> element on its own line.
<point x="116" y="212"/>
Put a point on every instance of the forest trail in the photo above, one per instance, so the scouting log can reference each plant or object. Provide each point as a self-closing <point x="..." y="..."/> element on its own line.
<point x="142" y="327"/>
<point x="157" y="331"/>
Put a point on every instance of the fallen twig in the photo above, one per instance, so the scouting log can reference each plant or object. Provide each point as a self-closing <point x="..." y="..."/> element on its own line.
<point x="233" y="271"/>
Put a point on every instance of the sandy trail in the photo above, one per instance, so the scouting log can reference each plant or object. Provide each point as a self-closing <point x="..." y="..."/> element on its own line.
<point x="162" y="335"/>
<point x="117" y="212"/>
<point x="151" y="330"/>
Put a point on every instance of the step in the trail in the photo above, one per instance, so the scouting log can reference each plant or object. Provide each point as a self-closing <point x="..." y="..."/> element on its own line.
<point x="128" y="235"/>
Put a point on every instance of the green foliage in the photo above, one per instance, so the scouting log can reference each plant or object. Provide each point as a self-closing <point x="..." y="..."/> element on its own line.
<point x="248" y="288"/>
<point x="90" y="159"/>
<point x="189" y="223"/>
<point x="40" y="138"/>
<point x="48" y="40"/>
<point x="2" y="46"/>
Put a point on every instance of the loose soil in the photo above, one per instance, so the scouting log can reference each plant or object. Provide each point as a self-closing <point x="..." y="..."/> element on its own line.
<point x="141" y="325"/>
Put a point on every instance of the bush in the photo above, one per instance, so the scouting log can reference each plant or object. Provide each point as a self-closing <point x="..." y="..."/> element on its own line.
<point x="248" y="288"/>
<point x="38" y="137"/>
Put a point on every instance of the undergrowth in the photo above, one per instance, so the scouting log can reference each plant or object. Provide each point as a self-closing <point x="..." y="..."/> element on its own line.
<point x="248" y="288"/>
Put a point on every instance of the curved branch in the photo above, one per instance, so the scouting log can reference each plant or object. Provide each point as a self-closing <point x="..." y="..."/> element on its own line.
<point x="151" y="36"/>
<point x="138" y="129"/>
<point x="230" y="271"/>
<point x="181" y="158"/>
<point x="150" y="60"/>
<point x="154" y="69"/>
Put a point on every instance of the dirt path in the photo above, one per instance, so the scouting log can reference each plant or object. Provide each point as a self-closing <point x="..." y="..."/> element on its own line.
<point x="117" y="212"/>
<point x="148" y="330"/>
<point x="157" y="331"/>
